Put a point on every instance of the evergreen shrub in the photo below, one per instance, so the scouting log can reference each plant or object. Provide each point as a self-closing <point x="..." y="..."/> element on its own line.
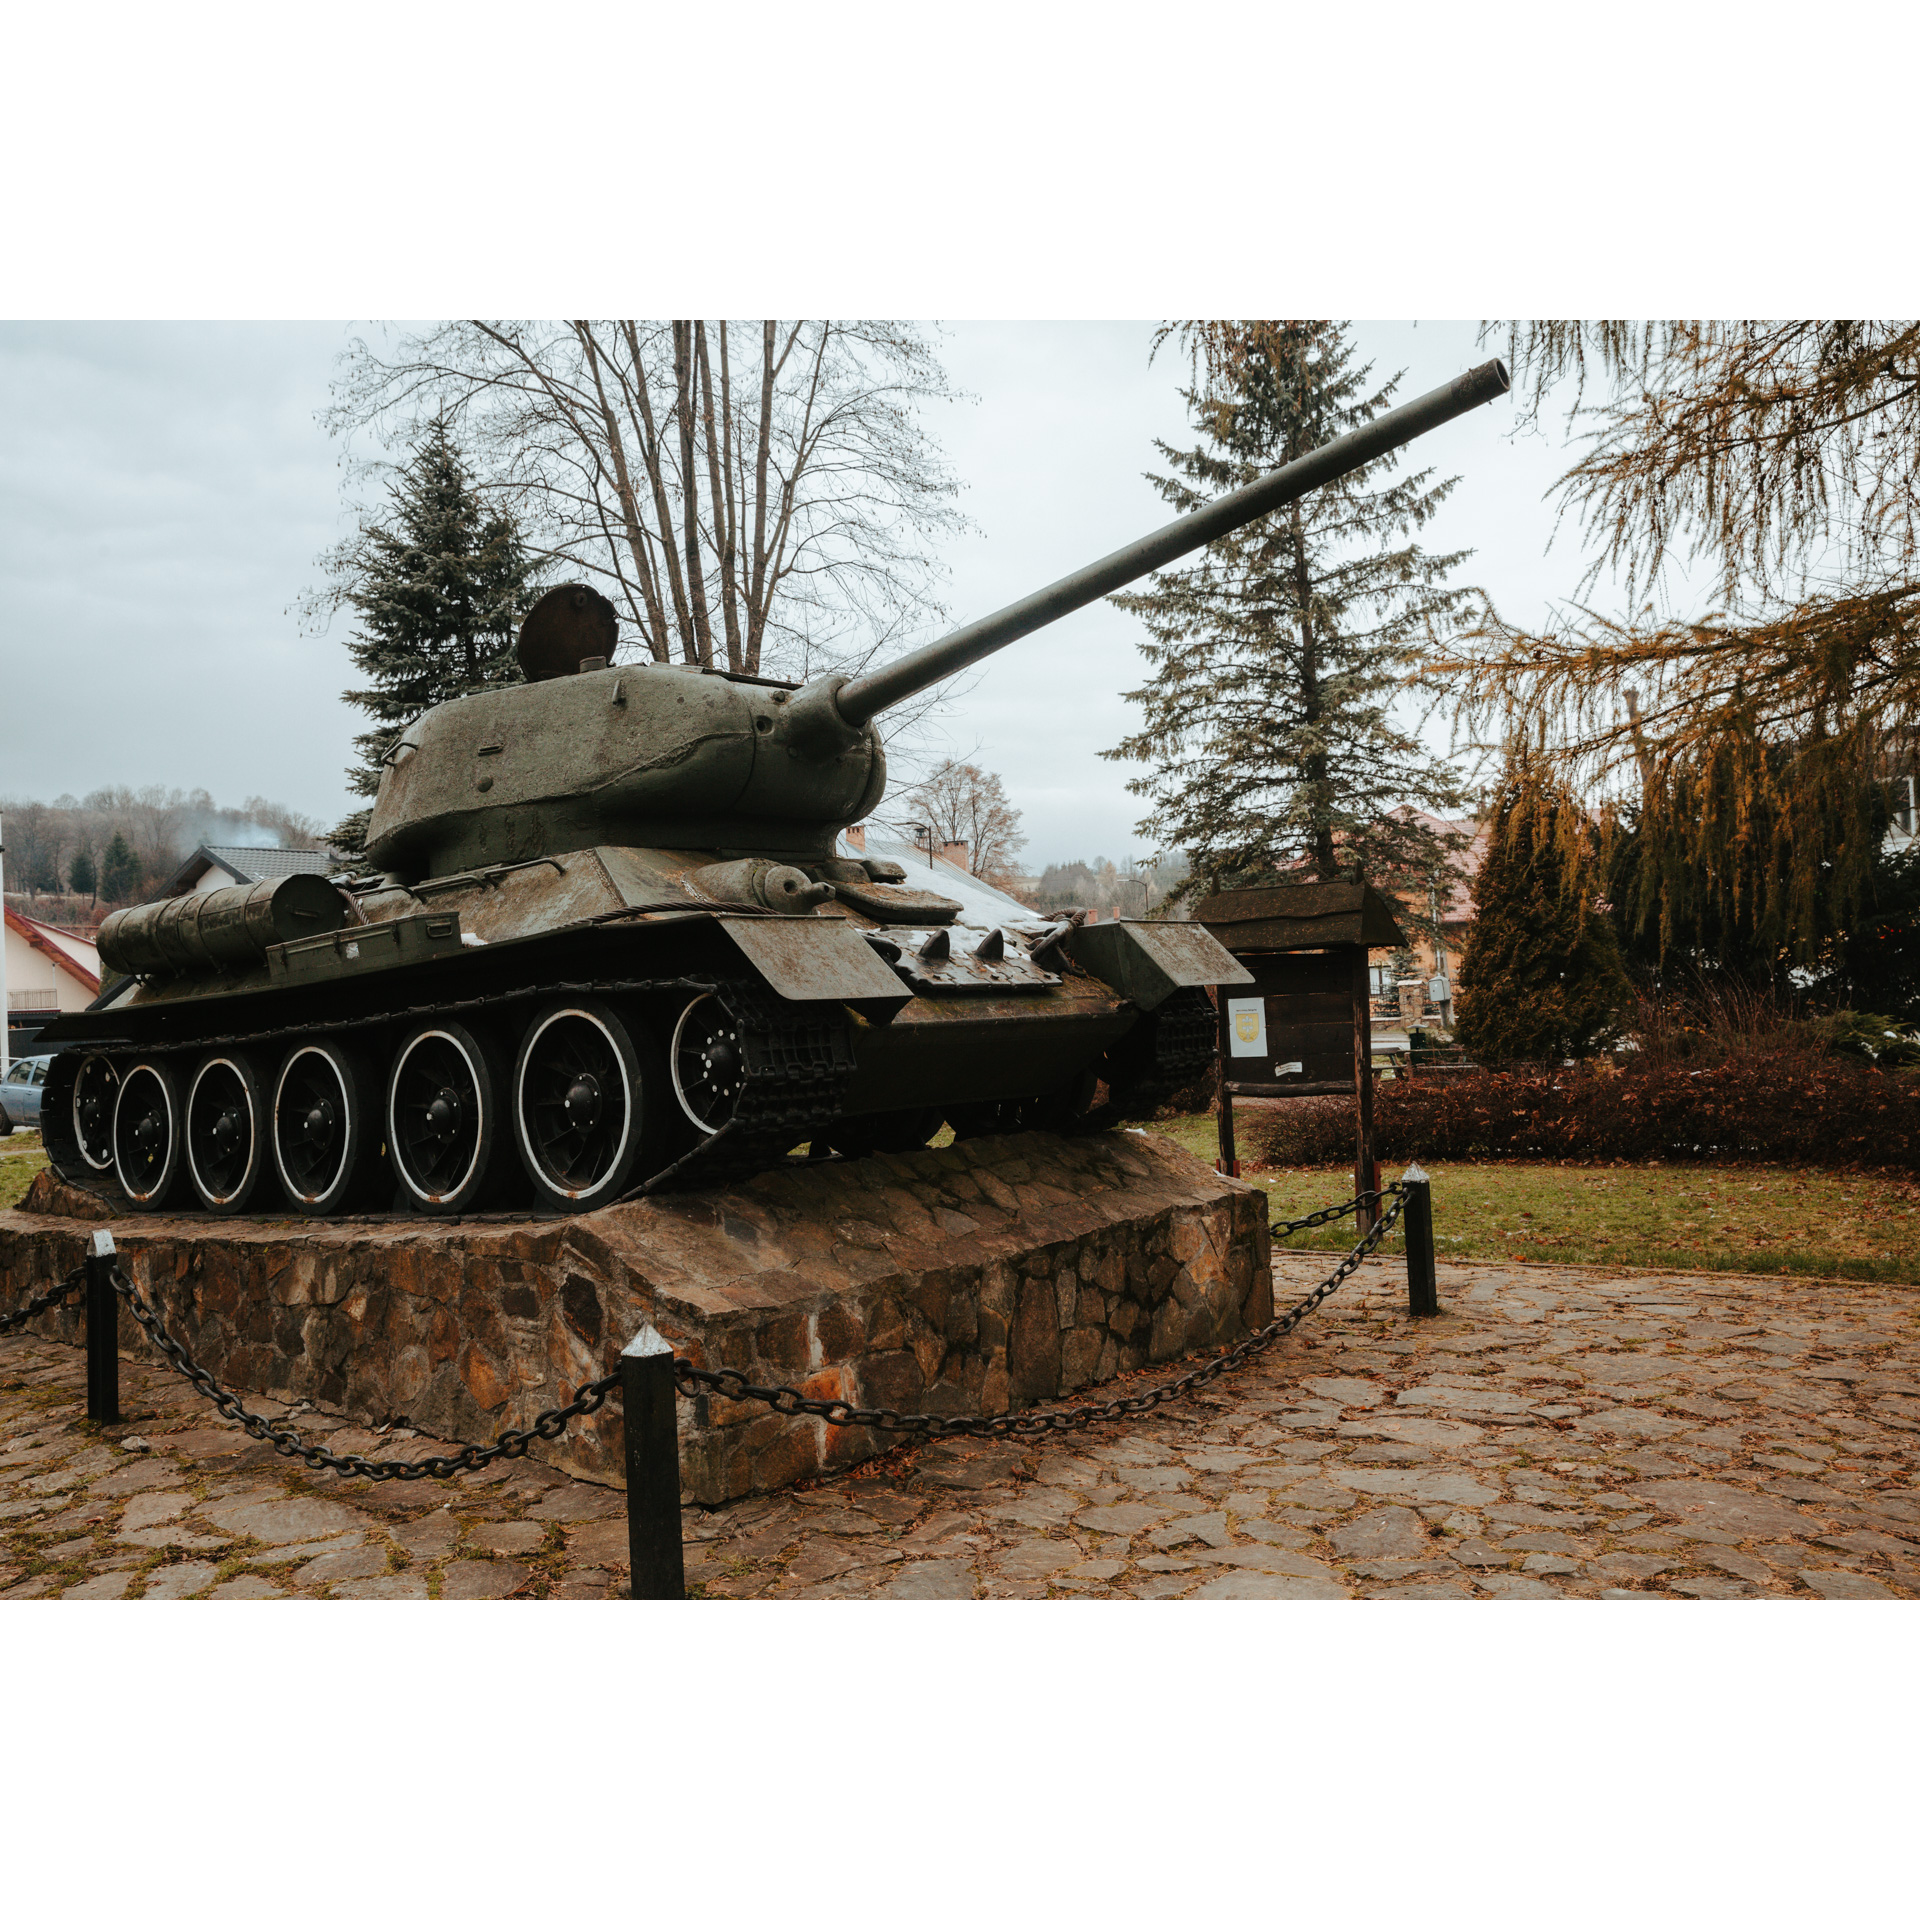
<point x="1807" y="1108"/>
<point x="1540" y="972"/>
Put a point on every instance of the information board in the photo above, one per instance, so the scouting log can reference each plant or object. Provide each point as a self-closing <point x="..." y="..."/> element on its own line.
<point x="1295" y="1034"/>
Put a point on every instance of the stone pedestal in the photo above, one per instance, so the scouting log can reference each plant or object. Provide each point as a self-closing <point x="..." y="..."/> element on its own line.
<point x="985" y="1276"/>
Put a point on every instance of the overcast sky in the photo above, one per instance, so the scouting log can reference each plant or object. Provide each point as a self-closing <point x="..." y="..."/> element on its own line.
<point x="166" y="488"/>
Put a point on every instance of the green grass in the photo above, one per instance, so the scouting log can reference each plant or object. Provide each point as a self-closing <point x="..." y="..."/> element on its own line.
<point x="1749" y="1219"/>
<point x="20" y="1160"/>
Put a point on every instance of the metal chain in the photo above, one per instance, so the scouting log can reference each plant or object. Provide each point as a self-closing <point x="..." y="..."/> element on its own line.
<point x="18" y="1318"/>
<point x="728" y="1382"/>
<point x="511" y="1445"/>
<point x="1284" y="1229"/>
<point x="731" y="1384"/>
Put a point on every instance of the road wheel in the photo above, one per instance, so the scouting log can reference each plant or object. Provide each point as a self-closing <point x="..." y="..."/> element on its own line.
<point x="226" y="1132"/>
<point x="95" y="1090"/>
<point x="443" y="1112"/>
<point x="146" y="1134"/>
<point x="325" y="1147"/>
<point x="708" y="1063"/>
<point x="581" y="1104"/>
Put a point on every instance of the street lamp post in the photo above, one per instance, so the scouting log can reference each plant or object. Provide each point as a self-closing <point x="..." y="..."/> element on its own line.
<point x="1444" y="994"/>
<point x="926" y="827"/>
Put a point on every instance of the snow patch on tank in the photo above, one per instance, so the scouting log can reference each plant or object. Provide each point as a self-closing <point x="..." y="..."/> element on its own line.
<point x="982" y="907"/>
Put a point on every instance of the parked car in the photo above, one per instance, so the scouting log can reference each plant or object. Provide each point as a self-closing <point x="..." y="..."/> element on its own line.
<point x="20" y="1092"/>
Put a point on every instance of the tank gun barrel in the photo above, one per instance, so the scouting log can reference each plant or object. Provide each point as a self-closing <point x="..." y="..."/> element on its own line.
<point x="857" y="701"/>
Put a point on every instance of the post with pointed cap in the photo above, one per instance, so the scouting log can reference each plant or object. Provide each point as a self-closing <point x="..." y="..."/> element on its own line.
<point x="656" y="1565"/>
<point x="103" y="1330"/>
<point x="1423" y="1289"/>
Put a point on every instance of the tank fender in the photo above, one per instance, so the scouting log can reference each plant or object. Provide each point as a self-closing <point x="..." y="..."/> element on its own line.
<point x="1147" y="960"/>
<point x="806" y="959"/>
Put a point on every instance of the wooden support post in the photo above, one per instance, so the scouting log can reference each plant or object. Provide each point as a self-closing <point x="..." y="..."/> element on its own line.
<point x="1228" y="1162"/>
<point x="656" y="1566"/>
<point x="1365" y="1180"/>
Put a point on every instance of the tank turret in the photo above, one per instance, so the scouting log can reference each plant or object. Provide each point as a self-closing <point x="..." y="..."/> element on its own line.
<point x="653" y="756"/>
<point x="615" y="944"/>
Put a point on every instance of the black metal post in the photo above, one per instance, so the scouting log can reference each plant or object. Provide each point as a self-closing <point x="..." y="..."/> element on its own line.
<point x="103" y="1328"/>
<point x="656" y="1565"/>
<point x="1423" y="1290"/>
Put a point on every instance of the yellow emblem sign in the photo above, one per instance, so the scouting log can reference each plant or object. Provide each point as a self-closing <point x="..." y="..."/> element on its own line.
<point x="1247" y="1028"/>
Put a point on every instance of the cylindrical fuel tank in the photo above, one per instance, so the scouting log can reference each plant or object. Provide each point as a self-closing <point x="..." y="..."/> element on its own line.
<point x="222" y="929"/>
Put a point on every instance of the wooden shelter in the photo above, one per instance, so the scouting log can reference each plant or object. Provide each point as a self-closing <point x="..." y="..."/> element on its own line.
<point x="1304" y="1028"/>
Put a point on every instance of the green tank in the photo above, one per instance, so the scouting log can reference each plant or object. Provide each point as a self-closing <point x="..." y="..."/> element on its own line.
<point x="614" y="942"/>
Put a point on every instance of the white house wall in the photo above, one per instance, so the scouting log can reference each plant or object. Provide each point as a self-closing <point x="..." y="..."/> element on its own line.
<point x="32" y="977"/>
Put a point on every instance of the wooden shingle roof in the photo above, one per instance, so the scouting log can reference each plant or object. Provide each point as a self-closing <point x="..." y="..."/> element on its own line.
<point x="1318" y="913"/>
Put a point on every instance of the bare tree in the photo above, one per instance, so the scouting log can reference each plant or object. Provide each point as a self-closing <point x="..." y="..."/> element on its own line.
<point x="1136" y="888"/>
<point x="961" y="803"/>
<point x="36" y="843"/>
<point x="757" y="494"/>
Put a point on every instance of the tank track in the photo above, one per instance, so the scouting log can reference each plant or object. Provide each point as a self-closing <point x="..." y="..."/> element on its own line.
<point x="1169" y="1050"/>
<point x="797" y="1060"/>
<point x="62" y="1150"/>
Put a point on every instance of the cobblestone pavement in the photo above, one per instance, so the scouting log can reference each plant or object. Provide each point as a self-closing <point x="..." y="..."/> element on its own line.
<point x="1555" y="1433"/>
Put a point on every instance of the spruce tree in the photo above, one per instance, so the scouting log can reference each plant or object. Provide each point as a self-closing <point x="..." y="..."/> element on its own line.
<point x="1540" y="976"/>
<point x="1276" y="656"/>
<point x="119" y="871"/>
<point x="81" y="876"/>
<point x="439" y="589"/>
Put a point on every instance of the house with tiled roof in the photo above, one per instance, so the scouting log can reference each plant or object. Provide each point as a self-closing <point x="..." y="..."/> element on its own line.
<point x="1448" y="899"/>
<point x="208" y="867"/>
<point x="48" y="971"/>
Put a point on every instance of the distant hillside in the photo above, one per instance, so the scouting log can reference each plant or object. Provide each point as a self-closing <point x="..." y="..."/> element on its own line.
<point x="1131" y="889"/>
<point x="159" y="825"/>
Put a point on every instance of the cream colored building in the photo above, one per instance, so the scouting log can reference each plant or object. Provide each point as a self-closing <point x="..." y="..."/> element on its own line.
<point x="1400" y="1004"/>
<point x="49" y="969"/>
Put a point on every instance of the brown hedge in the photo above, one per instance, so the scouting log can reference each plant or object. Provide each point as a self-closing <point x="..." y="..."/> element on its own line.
<point x="1806" y="1109"/>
